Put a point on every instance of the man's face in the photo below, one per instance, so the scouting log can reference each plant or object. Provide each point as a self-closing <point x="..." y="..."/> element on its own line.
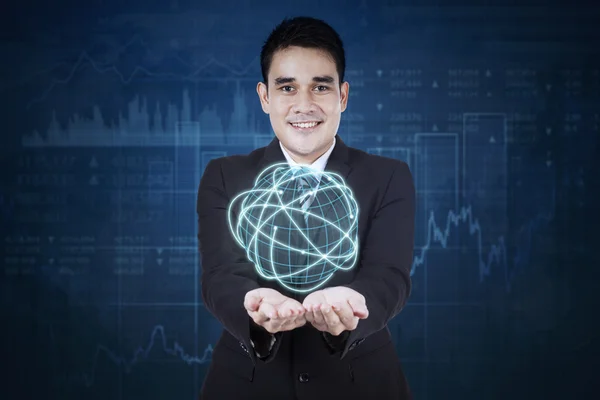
<point x="304" y="101"/>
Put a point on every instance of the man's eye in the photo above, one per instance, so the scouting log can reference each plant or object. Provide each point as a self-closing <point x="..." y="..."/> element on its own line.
<point x="284" y="88"/>
<point x="322" y="88"/>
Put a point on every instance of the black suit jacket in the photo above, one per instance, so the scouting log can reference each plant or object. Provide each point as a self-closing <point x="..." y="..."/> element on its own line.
<point x="305" y="363"/>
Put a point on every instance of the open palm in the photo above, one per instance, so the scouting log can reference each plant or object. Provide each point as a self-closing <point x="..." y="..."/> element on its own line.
<point x="274" y="311"/>
<point x="335" y="309"/>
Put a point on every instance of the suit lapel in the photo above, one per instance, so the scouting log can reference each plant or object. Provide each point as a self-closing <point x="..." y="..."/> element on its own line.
<point x="339" y="164"/>
<point x="272" y="155"/>
<point x="339" y="160"/>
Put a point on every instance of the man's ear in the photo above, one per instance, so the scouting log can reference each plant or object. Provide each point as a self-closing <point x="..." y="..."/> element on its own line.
<point x="263" y="95"/>
<point x="344" y="90"/>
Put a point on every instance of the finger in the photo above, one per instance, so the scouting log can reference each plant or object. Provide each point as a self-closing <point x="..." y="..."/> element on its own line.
<point x="300" y="310"/>
<point x="281" y="322"/>
<point x="316" y="307"/>
<point x="297" y="312"/>
<point x="252" y="301"/>
<point x="259" y="317"/>
<point x="309" y="307"/>
<point x="318" y="317"/>
<point x="287" y="324"/>
<point x="262" y="316"/>
<point x="313" y="300"/>
<point x="309" y="316"/>
<point x="288" y="310"/>
<point x="268" y="310"/>
<point x="344" y="313"/>
<point x="270" y="327"/>
<point x="290" y="323"/>
<point x="284" y="312"/>
<point x="359" y="308"/>
<point x="300" y="321"/>
<point x="331" y="318"/>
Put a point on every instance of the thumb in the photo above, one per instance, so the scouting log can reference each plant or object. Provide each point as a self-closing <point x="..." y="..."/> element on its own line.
<point x="360" y="309"/>
<point x="252" y="300"/>
<point x="268" y="310"/>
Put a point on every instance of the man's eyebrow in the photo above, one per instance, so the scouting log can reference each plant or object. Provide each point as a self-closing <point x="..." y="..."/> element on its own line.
<point x="323" y="79"/>
<point x="284" y="79"/>
<point x="319" y="79"/>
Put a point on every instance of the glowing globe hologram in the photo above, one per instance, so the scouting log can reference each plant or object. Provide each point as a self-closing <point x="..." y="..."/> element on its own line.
<point x="298" y="235"/>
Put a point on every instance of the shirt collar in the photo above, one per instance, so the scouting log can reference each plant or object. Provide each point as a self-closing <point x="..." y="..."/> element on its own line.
<point x="319" y="164"/>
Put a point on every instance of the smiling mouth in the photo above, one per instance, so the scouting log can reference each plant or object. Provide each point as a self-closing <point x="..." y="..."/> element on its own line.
<point x="305" y="126"/>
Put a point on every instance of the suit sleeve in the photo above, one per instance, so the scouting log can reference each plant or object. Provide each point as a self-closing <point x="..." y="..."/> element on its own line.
<point x="335" y="344"/>
<point x="386" y="259"/>
<point x="227" y="275"/>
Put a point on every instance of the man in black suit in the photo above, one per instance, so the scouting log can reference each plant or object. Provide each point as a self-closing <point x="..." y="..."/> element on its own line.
<point x="332" y="343"/>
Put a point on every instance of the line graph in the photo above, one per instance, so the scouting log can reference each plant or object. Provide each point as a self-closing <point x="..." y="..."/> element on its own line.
<point x="525" y="234"/>
<point x="171" y="124"/>
<point x="141" y="353"/>
<point x="135" y="39"/>
<point x="126" y="78"/>
<point x="497" y="254"/>
<point x="437" y="235"/>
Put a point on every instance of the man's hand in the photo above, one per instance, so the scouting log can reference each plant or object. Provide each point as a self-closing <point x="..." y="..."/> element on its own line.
<point x="335" y="309"/>
<point x="274" y="311"/>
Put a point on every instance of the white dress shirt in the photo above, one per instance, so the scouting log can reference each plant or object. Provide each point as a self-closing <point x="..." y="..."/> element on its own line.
<point x="319" y="164"/>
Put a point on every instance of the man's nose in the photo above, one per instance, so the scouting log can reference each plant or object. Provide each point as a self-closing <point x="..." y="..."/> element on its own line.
<point x="304" y="102"/>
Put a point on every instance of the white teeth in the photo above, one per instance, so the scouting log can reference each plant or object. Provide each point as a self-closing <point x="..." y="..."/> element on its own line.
<point x="305" y="124"/>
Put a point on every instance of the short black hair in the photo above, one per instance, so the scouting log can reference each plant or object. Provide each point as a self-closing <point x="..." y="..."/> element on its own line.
<point x="304" y="32"/>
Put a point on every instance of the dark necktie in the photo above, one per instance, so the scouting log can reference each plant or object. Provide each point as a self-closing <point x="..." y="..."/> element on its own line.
<point x="306" y="185"/>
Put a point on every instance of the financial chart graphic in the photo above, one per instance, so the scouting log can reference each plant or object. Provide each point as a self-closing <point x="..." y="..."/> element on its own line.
<point x="107" y="145"/>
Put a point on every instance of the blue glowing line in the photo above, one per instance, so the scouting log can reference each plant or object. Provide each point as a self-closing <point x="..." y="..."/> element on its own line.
<point x="275" y="196"/>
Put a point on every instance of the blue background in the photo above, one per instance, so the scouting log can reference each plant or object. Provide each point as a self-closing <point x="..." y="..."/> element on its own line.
<point x="112" y="109"/>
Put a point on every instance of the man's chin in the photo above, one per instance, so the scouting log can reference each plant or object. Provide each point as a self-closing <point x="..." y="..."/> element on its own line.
<point x="300" y="145"/>
<point x="302" y="151"/>
<point x="303" y="145"/>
